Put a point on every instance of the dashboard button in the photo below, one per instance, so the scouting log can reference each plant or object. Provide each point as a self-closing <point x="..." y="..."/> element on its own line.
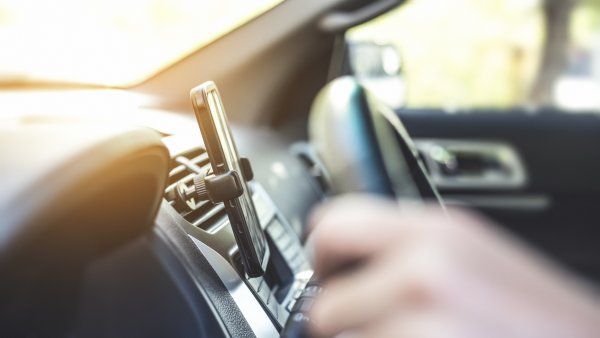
<point x="296" y="326"/>
<point x="276" y="231"/>
<point x="297" y="294"/>
<point x="312" y="291"/>
<point x="284" y="241"/>
<point x="290" y="305"/>
<point x="304" y="304"/>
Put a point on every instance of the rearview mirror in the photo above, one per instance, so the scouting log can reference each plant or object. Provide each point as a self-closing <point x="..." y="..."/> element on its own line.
<point x="378" y="66"/>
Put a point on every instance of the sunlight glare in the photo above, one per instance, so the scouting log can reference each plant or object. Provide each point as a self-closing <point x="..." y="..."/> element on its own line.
<point x="110" y="42"/>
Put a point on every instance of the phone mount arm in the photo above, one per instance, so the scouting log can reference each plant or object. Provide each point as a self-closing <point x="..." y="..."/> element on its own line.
<point x="216" y="188"/>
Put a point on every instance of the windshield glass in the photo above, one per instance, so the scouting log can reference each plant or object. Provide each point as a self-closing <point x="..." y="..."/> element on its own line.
<point x="110" y="42"/>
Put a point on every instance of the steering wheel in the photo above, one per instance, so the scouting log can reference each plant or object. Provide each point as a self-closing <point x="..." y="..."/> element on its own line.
<point x="364" y="146"/>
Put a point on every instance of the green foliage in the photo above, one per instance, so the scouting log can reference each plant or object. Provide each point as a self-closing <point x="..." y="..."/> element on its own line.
<point x="472" y="53"/>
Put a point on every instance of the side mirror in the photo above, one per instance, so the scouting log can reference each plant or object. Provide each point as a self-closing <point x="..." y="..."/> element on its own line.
<point x="378" y="66"/>
<point x="374" y="60"/>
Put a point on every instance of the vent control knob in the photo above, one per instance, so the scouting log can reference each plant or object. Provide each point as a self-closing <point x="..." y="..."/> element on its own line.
<point x="216" y="188"/>
<point x="200" y="187"/>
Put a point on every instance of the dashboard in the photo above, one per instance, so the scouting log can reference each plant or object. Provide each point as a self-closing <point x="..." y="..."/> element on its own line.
<point x="180" y="274"/>
<point x="183" y="275"/>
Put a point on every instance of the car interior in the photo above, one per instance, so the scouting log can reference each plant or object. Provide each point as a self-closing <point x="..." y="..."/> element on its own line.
<point x="178" y="204"/>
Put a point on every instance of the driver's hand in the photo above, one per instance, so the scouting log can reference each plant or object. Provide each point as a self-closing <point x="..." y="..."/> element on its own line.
<point x="418" y="274"/>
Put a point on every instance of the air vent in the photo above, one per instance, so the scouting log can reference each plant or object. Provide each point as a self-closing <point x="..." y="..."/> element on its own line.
<point x="204" y="215"/>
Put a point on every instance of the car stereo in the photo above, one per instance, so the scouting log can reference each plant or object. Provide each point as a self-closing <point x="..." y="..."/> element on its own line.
<point x="230" y="175"/>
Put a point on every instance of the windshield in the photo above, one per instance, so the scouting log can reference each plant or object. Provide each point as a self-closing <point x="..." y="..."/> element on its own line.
<point x="110" y="42"/>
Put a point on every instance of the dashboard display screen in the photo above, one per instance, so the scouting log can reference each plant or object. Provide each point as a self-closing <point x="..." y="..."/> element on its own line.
<point x="224" y="158"/>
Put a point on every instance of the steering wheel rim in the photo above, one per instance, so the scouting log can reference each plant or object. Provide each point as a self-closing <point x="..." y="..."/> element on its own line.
<point x="364" y="145"/>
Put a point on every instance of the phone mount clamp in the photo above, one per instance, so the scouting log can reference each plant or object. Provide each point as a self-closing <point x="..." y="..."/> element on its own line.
<point x="215" y="188"/>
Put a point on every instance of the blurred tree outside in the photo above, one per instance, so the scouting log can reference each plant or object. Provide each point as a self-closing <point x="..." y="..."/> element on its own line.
<point x="555" y="51"/>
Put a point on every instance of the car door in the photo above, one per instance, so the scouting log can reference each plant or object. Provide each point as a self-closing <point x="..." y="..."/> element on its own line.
<point x="501" y="100"/>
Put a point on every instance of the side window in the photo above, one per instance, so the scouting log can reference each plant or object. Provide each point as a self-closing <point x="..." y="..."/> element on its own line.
<point x="462" y="54"/>
<point x="578" y="86"/>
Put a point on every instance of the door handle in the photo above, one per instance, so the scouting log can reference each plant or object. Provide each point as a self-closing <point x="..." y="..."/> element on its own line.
<point x="472" y="164"/>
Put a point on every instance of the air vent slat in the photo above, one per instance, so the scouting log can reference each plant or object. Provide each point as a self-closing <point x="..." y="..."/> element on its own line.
<point x="212" y="216"/>
<point x="198" y="209"/>
<point x="177" y="173"/>
<point x="201" y="160"/>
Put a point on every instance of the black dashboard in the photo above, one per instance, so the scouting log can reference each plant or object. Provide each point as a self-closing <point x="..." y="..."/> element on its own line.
<point x="185" y="277"/>
<point x="180" y="276"/>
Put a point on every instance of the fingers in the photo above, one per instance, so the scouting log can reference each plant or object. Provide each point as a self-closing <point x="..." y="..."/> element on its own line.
<point x="350" y="229"/>
<point x="355" y="228"/>
<point x="427" y="324"/>
<point x="424" y="275"/>
<point x="410" y="263"/>
<point x="352" y="300"/>
<point x="392" y="283"/>
<point x="430" y="323"/>
<point x="423" y="280"/>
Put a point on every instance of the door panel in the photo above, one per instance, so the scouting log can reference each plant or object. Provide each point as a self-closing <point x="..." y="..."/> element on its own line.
<point x="560" y="154"/>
